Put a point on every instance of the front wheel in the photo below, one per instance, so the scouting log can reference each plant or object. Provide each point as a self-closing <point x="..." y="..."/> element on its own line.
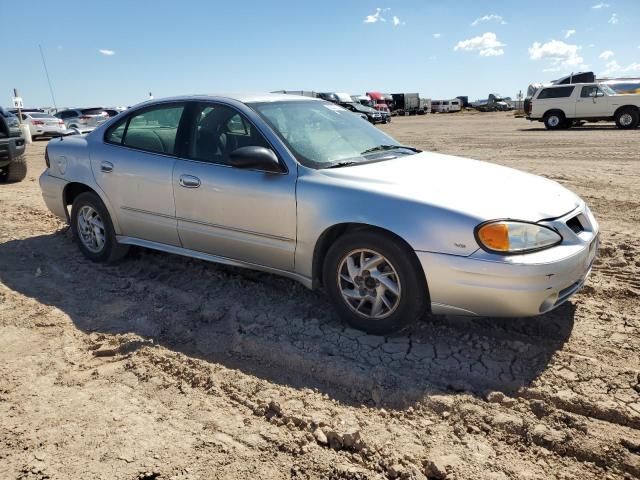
<point x="627" y="119"/>
<point x="92" y="228"/>
<point x="374" y="283"/>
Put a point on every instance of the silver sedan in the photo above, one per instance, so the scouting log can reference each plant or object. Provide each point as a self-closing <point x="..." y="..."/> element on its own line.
<point x="303" y="188"/>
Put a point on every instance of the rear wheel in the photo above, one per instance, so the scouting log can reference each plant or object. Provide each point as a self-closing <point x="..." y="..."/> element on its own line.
<point x="627" y="118"/>
<point x="92" y="228"/>
<point x="554" y="120"/>
<point x="373" y="282"/>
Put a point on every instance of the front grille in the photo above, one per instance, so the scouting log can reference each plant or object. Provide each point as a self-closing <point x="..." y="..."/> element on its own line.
<point x="575" y="225"/>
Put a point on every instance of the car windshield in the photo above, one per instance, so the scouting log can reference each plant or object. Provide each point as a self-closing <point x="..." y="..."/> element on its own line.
<point x="607" y="89"/>
<point x="39" y="115"/>
<point x="323" y="135"/>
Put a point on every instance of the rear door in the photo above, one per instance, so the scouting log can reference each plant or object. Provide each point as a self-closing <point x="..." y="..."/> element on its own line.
<point x="591" y="102"/>
<point x="247" y="215"/>
<point x="134" y="167"/>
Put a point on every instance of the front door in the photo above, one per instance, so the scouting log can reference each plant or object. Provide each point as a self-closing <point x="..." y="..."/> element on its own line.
<point x="134" y="167"/>
<point x="592" y="103"/>
<point x="246" y="215"/>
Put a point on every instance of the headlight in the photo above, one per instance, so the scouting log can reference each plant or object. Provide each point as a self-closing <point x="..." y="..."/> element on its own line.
<point x="512" y="236"/>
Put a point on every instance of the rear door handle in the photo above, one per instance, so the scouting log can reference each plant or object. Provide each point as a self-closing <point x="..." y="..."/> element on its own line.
<point x="106" y="167"/>
<point x="189" y="181"/>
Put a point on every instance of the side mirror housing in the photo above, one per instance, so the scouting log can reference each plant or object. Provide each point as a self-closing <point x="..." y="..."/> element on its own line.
<point x="255" y="158"/>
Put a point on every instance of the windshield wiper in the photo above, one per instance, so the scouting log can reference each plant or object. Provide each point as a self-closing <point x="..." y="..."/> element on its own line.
<point x="381" y="148"/>
<point x="342" y="164"/>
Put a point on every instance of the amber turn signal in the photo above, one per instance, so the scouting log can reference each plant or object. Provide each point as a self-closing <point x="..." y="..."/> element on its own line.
<point x="495" y="236"/>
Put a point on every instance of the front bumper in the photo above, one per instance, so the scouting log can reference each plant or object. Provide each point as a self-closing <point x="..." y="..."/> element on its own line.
<point x="485" y="284"/>
<point x="47" y="131"/>
<point x="52" y="192"/>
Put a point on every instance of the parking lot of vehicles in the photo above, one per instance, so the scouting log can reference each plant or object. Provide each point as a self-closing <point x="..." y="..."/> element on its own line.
<point x="13" y="166"/>
<point x="559" y="106"/>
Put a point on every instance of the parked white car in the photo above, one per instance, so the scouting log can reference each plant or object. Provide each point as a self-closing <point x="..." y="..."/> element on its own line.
<point x="559" y="106"/>
<point x="44" y="125"/>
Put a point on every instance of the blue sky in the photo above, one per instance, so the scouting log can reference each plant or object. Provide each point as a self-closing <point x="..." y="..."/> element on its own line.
<point x="114" y="53"/>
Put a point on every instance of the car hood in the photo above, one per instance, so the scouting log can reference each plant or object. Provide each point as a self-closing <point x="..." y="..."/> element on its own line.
<point x="474" y="188"/>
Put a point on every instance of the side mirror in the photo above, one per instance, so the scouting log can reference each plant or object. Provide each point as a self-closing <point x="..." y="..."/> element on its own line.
<point x="255" y="158"/>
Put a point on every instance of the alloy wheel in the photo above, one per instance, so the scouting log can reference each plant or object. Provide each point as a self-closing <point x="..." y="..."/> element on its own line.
<point x="91" y="229"/>
<point x="369" y="284"/>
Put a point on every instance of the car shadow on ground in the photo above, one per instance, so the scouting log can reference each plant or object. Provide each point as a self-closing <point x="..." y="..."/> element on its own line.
<point x="275" y="329"/>
<point x="581" y="128"/>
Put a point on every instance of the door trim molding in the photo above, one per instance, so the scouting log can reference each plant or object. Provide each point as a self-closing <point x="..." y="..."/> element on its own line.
<point x="306" y="281"/>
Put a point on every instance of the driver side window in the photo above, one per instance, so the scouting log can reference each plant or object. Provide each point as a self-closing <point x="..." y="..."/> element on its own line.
<point x="591" y="92"/>
<point x="218" y="131"/>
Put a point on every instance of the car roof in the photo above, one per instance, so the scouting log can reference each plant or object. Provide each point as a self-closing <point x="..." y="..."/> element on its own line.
<point x="241" y="97"/>
<point x="571" y="85"/>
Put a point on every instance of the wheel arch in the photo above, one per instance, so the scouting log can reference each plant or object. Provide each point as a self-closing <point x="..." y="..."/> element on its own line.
<point x="554" y="110"/>
<point x="71" y="192"/>
<point x="626" y="107"/>
<point x="332" y="233"/>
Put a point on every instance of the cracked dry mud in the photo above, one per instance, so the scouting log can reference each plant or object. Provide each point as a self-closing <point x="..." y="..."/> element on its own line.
<point x="162" y="367"/>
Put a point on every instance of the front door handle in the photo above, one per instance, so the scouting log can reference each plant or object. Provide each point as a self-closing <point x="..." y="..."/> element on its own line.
<point x="106" y="167"/>
<point x="189" y="181"/>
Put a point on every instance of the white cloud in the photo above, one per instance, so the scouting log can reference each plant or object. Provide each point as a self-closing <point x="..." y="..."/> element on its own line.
<point x="614" y="19"/>
<point x="591" y="45"/>
<point x="601" y="5"/>
<point x="560" y="54"/>
<point x="568" y="33"/>
<point x="489" y="18"/>
<point x="396" y="21"/>
<point x="438" y="35"/>
<point x="106" y="52"/>
<point x="615" y="67"/>
<point x="487" y="45"/>
<point x="377" y="16"/>
<point x="606" y="55"/>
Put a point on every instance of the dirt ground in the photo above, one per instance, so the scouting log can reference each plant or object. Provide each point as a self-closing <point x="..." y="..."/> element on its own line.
<point x="162" y="367"/>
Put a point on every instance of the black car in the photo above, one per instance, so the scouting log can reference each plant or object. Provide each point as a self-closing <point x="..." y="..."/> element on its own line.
<point x="373" y="115"/>
<point x="13" y="164"/>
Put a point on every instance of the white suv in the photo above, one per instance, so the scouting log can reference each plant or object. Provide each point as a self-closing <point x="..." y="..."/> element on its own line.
<point x="558" y="106"/>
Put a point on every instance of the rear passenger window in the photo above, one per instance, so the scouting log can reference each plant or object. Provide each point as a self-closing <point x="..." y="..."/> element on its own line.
<point x="153" y="130"/>
<point x="558" y="92"/>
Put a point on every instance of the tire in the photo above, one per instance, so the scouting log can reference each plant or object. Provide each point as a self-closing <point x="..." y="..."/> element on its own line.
<point x="554" y="120"/>
<point x="16" y="171"/>
<point x="405" y="298"/>
<point x="102" y="239"/>
<point x="627" y="118"/>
